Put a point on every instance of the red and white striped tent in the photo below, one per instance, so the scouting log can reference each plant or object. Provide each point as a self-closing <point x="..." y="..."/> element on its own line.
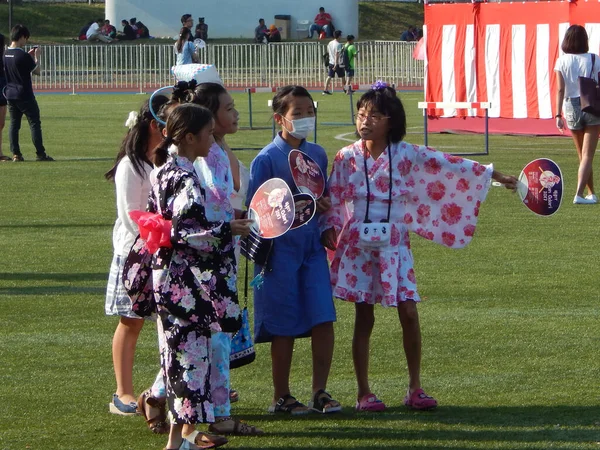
<point x="502" y="53"/>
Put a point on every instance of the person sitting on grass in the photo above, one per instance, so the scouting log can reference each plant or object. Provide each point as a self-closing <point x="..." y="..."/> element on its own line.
<point x="128" y="33"/>
<point x="81" y="36"/>
<point x="94" y="32"/>
<point x="322" y="24"/>
<point x="109" y="30"/>
<point x="142" y="31"/>
<point x="274" y="34"/>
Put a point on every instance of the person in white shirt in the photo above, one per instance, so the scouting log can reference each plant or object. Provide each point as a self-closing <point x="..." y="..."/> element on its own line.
<point x="574" y="63"/>
<point x="336" y="62"/>
<point x="94" y="32"/>
<point x="131" y="175"/>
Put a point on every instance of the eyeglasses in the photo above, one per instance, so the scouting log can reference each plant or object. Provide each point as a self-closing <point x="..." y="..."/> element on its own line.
<point x="374" y="119"/>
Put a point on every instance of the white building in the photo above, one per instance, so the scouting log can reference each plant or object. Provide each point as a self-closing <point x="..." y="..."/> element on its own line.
<point x="231" y="18"/>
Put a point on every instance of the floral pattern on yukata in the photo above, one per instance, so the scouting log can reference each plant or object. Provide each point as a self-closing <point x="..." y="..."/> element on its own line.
<point x="214" y="172"/>
<point x="435" y="195"/>
<point x="186" y="362"/>
<point x="199" y="281"/>
<point x="195" y="288"/>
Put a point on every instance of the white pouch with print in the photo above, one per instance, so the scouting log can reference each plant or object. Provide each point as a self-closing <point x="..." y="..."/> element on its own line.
<point x="375" y="235"/>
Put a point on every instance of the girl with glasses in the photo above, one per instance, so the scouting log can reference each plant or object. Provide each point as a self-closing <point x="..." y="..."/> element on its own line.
<point x="381" y="188"/>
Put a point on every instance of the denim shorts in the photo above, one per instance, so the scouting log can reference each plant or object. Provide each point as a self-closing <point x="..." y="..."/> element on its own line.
<point x="575" y="118"/>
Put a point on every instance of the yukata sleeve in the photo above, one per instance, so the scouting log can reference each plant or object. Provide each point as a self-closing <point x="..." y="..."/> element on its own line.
<point x="445" y="194"/>
<point x="339" y="193"/>
<point x="190" y="226"/>
<point x="260" y="171"/>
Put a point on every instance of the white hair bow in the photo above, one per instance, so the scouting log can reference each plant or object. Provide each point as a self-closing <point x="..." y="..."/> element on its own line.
<point x="132" y="119"/>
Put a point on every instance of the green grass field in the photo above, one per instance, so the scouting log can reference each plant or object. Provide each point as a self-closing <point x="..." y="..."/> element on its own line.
<point x="510" y="324"/>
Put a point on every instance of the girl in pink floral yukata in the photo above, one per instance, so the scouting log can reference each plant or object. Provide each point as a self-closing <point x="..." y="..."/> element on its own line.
<point x="381" y="187"/>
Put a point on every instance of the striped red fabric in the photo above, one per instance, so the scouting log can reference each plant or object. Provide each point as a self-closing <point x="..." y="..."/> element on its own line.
<point x="454" y="105"/>
<point x="502" y="53"/>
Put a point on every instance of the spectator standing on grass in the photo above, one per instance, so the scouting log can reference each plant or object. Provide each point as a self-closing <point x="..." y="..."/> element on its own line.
<point x="185" y="51"/>
<point x="2" y="98"/>
<point x="18" y="67"/>
<point x="321" y="24"/>
<point x="336" y="63"/>
<point x="201" y="30"/>
<point x="349" y="56"/>
<point x="94" y="32"/>
<point x="261" y="32"/>
<point x="574" y="63"/>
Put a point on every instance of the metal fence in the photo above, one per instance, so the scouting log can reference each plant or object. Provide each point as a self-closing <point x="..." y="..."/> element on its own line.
<point x="142" y="68"/>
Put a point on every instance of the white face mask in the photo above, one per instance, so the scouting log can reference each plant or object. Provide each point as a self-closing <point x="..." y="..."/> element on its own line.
<point x="301" y="127"/>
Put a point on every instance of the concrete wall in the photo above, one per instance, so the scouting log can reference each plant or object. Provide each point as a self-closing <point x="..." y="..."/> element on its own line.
<point x="230" y="18"/>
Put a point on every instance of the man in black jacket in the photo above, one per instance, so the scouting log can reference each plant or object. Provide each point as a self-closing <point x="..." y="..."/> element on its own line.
<point x="18" y="67"/>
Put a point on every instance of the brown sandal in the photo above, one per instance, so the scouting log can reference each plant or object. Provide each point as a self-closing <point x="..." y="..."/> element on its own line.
<point x="206" y="440"/>
<point x="154" y="408"/>
<point x="239" y="428"/>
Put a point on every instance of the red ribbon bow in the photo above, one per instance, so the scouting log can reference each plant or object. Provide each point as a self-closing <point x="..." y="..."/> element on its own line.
<point x="155" y="230"/>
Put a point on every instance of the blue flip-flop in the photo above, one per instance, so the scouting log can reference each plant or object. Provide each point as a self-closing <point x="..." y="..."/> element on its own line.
<point x="122" y="409"/>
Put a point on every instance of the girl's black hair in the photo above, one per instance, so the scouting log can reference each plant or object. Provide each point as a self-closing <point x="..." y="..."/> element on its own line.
<point x="184" y="119"/>
<point x="207" y="95"/>
<point x="283" y="97"/>
<point x="184" y="35"/>
<point x="387" y="103"/>
<point x="135" y="142"/>
<point x="182" y="93"/>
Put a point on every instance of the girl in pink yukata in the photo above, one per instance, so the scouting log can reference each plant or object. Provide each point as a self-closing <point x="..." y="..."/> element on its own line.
<point x="220" y="174"/>
<point x="381" y="187"/>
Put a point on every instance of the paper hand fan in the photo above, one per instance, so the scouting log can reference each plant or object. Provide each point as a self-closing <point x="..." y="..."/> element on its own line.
<point x="272" y="209"/>
<point x="541" y="186"/>
<point x="306" y="173"/>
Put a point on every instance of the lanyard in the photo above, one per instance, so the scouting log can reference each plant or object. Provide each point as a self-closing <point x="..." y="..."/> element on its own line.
<point x="364" y="147"/>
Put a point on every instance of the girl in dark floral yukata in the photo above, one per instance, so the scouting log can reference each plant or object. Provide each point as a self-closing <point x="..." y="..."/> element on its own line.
<point x="194" y="281"/>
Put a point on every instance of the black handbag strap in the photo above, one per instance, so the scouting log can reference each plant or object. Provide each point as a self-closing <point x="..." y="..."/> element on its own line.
<point x="592" y="69"/>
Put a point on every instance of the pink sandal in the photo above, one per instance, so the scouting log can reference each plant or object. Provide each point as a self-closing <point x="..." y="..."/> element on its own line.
<point x="370" y="403"/>
<point x="419" y="400"/>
